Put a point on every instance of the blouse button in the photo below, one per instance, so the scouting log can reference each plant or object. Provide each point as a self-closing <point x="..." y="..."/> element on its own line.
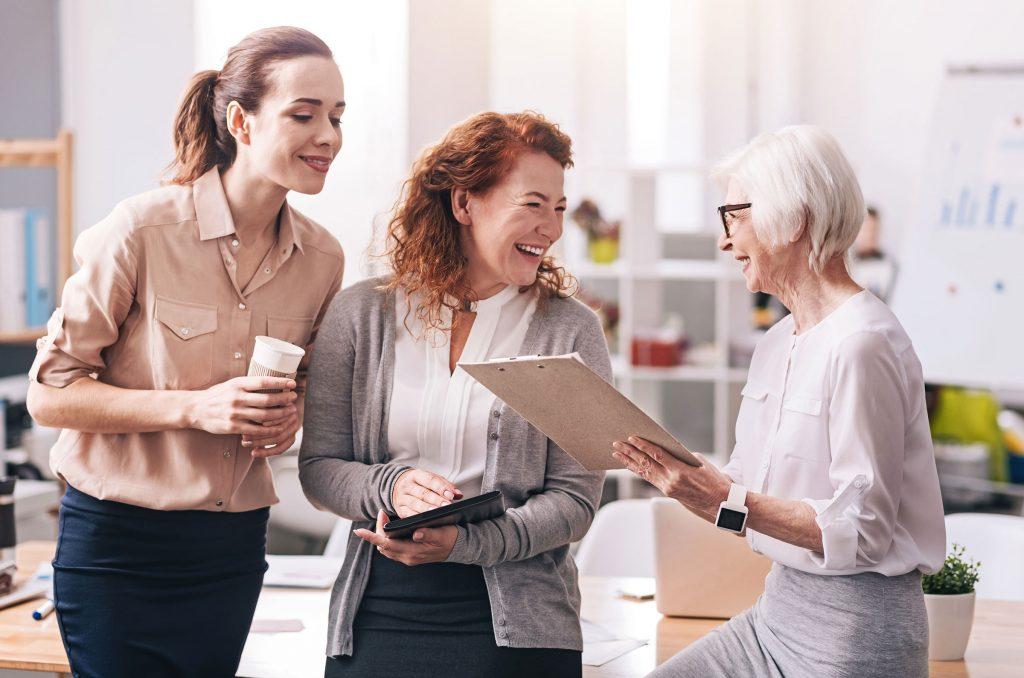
<point x="266" y="270"/>
<point x="858" y="483"/>
<point x="241" y="307"/>
<point x="220" y="502"/>
<point x="238" y="356"/>
<point x="496" y="413"/>
<point x="227" y="455"/>
<point x="234" y="243"/>
<point x="185" y="331"/>
<point x="494" y="436"/>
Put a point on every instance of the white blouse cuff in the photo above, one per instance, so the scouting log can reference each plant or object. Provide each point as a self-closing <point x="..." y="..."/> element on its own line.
<point x="837" y="518"/>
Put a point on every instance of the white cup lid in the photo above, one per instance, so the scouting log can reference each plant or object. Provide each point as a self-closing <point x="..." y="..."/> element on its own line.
<point x="277" y="355"/>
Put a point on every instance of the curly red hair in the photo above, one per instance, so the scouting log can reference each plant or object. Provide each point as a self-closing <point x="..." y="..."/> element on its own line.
<point x="423" y="238"/>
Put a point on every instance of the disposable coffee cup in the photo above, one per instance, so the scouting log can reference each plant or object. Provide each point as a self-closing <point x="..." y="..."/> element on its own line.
<point x="275" y="358"/>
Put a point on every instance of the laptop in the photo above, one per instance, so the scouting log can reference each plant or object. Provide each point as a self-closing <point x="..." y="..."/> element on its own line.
<point x="700" y="570"/>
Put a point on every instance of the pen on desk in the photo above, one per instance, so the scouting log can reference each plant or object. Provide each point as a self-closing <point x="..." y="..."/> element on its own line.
<point x="43" y="611"/>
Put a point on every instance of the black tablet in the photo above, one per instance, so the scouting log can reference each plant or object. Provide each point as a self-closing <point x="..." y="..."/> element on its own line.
<point x="461" y="512"/>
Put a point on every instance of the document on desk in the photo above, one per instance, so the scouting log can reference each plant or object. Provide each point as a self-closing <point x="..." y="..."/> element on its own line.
<point x="39" y="585"/>
<point x="574" y="406"/>
<point x="302" y="572"/>
<point x="600" y="645"/>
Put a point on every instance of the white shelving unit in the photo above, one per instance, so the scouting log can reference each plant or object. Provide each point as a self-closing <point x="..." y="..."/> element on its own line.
<point x="640" y="275"/>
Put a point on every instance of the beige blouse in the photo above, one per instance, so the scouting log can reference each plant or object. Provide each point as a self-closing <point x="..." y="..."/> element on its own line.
<point x="156" y="305"/>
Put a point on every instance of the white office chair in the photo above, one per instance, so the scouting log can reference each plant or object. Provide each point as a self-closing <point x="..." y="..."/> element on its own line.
<point x="338" y="541"/>
<point x="620" y="542"/>
<point x="997" y="542"/>
<point x="294" y="513"/>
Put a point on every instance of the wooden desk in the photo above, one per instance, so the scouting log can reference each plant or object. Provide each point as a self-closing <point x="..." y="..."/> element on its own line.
<point x="36" y="645"/>
<point x="996" y="649"/>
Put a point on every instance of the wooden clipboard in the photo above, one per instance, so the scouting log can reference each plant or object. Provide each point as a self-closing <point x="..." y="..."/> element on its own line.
<point x="571" y="404"/>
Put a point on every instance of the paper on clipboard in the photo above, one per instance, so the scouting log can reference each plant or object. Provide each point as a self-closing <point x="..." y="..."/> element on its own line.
<point x="571" y="404"/>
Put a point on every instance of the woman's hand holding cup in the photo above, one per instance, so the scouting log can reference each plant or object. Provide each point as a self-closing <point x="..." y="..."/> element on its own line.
<point x="243" y="406"/>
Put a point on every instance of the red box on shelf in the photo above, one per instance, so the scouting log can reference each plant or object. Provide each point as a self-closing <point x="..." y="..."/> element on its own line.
<point x="654" y="352"/>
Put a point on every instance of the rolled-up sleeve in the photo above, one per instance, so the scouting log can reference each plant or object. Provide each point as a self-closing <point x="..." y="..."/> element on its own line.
<point x="94" y="303"/>
<point x="867" y="429"/>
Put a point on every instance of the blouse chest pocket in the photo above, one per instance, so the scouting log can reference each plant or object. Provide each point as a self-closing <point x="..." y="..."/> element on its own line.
<point x="803" y="430"/>
<point x="293" y="330"/>
<point x="183" y="344"/>
<point x="755" y="416"/>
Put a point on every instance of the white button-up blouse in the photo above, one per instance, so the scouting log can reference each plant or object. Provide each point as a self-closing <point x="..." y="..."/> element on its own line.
<point x="836" y="417"/>
<point x="438" y="420"/>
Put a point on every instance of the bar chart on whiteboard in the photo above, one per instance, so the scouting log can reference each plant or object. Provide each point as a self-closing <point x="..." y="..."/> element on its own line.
<point x="993" y="198"/>
<point x="960" y="292"/>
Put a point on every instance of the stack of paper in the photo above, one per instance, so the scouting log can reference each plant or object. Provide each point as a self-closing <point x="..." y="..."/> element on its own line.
<point x="601" y="645"/>
<point x="38" y="586"/>
<point x="305" y="572"/>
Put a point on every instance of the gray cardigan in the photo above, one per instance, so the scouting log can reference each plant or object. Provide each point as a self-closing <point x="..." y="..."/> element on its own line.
<point x="344" y="467"/>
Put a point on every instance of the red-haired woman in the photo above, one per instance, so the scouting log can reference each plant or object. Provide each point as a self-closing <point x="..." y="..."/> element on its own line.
<point x="160" y="553"/>
<point x="392" y="425"/>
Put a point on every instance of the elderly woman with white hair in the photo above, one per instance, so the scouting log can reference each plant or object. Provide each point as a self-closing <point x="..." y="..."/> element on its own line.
<point x="833" y="470"/>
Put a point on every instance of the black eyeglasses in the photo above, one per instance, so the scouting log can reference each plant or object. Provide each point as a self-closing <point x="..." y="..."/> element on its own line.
<point x="725" y="210"/>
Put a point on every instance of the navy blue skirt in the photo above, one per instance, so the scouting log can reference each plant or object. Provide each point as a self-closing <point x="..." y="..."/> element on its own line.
<point x="435" y="620"/>
<point x="140" y="592"/>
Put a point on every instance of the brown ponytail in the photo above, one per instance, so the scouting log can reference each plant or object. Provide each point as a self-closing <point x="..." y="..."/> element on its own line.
<point x="201" y="137"/>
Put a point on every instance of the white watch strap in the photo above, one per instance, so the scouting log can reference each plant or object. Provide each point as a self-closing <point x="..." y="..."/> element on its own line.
<point x="737" y="495"/>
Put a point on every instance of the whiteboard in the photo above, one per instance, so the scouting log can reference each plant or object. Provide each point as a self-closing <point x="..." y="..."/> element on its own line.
<point x="960" y="293"/>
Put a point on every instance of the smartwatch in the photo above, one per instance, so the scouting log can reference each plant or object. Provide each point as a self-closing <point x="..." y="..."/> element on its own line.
<point x="732" y="513"/>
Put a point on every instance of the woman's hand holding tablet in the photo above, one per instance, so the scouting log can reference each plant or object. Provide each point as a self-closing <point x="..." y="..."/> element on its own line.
<point x="429" y="537"/>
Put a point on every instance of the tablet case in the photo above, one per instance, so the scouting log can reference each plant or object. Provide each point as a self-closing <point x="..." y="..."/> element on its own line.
<point x="574" y="406"/>
<point x="463" y="512"/>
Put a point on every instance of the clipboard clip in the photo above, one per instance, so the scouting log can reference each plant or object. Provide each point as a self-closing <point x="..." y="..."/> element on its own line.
<point x="574" y="355"/>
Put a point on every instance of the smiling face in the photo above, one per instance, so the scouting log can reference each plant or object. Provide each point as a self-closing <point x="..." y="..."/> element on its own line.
<point x="508" y="230"/>
<point x="744" y="244"/>
<point x="296" y="134"/>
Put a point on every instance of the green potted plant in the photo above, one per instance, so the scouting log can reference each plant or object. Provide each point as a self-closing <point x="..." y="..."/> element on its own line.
<point x="949" y="599"/>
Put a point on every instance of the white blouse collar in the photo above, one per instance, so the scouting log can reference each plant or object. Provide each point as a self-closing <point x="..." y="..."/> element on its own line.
<point x="495" y="302"/>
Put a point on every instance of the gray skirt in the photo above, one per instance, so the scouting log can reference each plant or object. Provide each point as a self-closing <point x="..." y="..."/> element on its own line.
<point x="817" y="626"/>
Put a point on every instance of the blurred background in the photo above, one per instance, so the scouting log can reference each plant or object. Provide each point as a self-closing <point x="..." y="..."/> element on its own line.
<point x="925" y="97"/>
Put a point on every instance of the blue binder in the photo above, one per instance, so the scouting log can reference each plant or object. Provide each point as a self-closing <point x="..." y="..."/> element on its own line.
<point x="39" y="266"/>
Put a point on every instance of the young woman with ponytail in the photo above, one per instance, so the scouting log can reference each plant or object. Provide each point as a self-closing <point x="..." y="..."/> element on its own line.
<point x="160" y="553"/>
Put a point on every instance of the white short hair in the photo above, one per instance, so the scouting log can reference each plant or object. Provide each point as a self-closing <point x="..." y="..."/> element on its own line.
<point x="795" y="174"/>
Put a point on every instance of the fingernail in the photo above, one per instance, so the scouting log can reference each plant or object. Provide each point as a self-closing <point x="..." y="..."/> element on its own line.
<point x="617" y="445"/>
<point x="633" y="440"/>
<point x="449" y="494"/>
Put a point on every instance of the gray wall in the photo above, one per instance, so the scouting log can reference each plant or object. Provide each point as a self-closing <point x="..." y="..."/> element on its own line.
<point x="30" y="92"/>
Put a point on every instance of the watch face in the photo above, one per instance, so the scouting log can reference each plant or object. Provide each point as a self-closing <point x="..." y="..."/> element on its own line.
<point x="731" y="520"/>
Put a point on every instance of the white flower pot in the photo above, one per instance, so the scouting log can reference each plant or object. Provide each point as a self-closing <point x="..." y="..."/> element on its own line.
<point x="949" y="625"/>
